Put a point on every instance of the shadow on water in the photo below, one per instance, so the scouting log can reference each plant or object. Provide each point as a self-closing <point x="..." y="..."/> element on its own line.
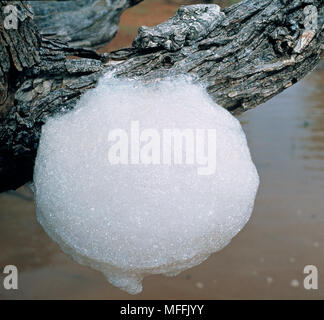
<point x="266" y="260"/>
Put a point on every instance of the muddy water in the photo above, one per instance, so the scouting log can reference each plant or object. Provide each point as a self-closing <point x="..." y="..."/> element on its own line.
<point x="266" y="260"/>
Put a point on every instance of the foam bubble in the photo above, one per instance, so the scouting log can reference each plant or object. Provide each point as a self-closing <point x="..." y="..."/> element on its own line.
<point x="133" y="220"/>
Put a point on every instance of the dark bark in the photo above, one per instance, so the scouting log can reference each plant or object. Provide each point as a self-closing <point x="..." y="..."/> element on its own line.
<point x="245" y="55"/>
<point x="82" y="23"/>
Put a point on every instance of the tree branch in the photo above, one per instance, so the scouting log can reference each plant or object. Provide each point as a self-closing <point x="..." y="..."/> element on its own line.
<point x="82" y="23"/>
<point x="245" y="54"/>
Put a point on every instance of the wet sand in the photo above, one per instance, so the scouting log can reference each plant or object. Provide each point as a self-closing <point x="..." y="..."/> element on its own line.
<point x="267" y="258"/>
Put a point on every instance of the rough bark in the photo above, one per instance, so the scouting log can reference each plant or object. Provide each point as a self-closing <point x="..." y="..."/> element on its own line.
<point x="245" y="54"/>
<point x="81" y="23"/>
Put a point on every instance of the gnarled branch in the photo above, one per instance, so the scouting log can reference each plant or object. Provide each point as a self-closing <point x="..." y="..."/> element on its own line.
<point x="245" y="54"/>
<point x="82" y="23"/>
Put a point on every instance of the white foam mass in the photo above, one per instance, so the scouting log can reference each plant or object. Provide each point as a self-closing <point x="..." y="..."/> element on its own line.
<point x="133" y="220"/>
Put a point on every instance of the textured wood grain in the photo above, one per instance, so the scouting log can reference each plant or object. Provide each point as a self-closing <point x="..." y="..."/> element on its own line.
<point x="244" y="54"/>
<point x="81" y="23"/>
